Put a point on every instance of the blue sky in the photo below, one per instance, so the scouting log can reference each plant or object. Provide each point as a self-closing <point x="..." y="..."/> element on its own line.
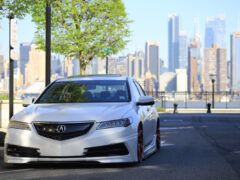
<point x="151" y="21"/>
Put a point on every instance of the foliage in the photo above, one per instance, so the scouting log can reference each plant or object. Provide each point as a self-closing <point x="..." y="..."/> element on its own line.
<point x="19" y="7"/>
<point x="159" y="109"/>
<point x="81" y="29"/>
<point x="4" y="97"/>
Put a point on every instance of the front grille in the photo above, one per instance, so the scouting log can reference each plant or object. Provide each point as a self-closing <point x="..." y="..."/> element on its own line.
<point x="62" y="131"/>
<point x="108" y="150"/>
<point x="20" y="151"/>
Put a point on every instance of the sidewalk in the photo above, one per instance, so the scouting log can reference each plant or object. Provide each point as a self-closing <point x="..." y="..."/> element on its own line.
<point x="1" y="152"/>
<point x="191" y="110"/>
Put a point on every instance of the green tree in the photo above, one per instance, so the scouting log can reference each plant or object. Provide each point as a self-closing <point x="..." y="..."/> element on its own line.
<point x="81" y="29"/>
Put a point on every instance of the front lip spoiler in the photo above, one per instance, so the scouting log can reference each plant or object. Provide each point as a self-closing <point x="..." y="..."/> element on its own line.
<point x="118" y="149"/>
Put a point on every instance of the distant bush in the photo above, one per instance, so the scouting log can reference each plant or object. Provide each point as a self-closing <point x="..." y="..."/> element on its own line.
<point x="159" y="109"/>
<point x="4" y="97"/>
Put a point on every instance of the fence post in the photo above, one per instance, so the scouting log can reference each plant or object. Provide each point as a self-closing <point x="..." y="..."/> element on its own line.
<point x="208" y="107"/>
<point x="185" y="99"/>
<point x="0" y="113"/>
<point x="226" y="99"/>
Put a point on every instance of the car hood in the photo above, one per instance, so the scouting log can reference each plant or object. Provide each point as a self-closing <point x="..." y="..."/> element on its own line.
<point x="73" y="112"/>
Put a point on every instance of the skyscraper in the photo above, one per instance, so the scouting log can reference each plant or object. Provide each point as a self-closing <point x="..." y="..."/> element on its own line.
<point x="35" y="68"/>
<point x="235" y="61"/>
<point x="182" y="58"/>
<point x="24" y="57"/>
<point x="173" y="42"/>
<point x="193" y="55"/>
<point x="181" y="80"/>
<point x="215" y="62"/>
<point x="135" y="64"/>
<point x="215" y="32"/>
<point x="194" y="63"/>
<point x="56" y="66"/>
<point x="1" y="67"/>
<point x="152" y="59"/>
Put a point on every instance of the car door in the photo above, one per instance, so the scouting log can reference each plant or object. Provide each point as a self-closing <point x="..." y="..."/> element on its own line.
<point x="147" y="114"/>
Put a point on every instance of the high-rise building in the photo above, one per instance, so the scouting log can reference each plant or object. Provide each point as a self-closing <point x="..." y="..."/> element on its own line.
<point x="167" y="82"/>
<point x="229" y="74"/>
<point x="135" y="64"/>
<point x="56" y="66"/>
<point x="35" y="68"/>
<point x="183" y="52"/>
<point x="215" y="62"/>
<point x="215" y="32"/>
<point x="235" y="61"/>
<point x="152" y="59"/>
<point x="68" y="67"/>
<point x="181" y="80"/>
<point x="25" y="48"/>
<point x="163" y="69"/>
<point x="193" y="59"/>
<point x="1" y="67"/>
<point x="173" y="42"/>
<point x="76" y="67"/>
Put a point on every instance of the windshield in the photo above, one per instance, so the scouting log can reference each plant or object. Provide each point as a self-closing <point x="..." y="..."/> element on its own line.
<point x="86" y="91"/>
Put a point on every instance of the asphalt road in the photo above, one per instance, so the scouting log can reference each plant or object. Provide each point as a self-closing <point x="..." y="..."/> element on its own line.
<point x="193" y="147"/>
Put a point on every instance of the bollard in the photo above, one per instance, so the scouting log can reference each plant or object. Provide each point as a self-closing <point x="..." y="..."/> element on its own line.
<point x="208" y="107"/>
<point x="175" y="108"/>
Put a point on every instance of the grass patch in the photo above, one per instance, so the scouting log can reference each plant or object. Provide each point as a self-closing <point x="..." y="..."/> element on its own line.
<point x="159" y="109"/>
<point x="4" y="97"/>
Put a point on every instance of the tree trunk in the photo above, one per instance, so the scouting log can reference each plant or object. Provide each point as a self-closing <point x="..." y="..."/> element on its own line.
<point x="82" y="71"/>
<point x="82" y="68"/>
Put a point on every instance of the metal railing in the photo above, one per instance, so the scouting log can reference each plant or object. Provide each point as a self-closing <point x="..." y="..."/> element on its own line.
<point x="196" y="99"/>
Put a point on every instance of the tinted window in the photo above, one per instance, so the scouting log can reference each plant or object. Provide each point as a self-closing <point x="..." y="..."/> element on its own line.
<point x="86" y="91"/>
<point x="139" y="88"/>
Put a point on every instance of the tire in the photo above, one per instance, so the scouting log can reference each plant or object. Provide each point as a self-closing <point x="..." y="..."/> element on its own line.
<point x="158" y="135"/>
<point x="140" y="147"/>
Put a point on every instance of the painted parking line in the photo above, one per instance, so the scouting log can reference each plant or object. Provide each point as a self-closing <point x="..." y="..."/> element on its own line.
<point x="13" y="171"/>
<point x="168" y="128"/>
<point x="173" y="120"/>
<point x="163" y="143"/>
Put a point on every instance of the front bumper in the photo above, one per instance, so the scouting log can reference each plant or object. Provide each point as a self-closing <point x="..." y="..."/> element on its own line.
<point x="73" y="149"/>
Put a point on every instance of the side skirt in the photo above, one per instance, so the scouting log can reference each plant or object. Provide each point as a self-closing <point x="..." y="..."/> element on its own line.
<point x="151" y="148"/>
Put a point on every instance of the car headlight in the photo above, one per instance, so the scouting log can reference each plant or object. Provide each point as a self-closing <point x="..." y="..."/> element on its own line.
<point x="18" y="125"/>
<point x="114" y="123"/>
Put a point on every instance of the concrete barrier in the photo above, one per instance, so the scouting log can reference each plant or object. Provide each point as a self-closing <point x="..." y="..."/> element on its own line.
<point x="4" y="111"/>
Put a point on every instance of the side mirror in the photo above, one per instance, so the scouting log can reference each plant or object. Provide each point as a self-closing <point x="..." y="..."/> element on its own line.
<point x="27" y="102"/>
<point x="145" y="101"/>
<point x="33" y="100"/>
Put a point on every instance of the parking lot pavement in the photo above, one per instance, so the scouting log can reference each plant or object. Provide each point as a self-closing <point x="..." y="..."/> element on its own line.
<point x="1" y="152"/>
<point x="193" y="147"/>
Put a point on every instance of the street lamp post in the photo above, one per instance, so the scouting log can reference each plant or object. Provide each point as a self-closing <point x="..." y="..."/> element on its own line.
<point x="11" y="70"/>
<point x="48" y="44"/>
<point x="108" y="51"/>
<point x="212" y="76"/>
<point x="107" y="65"/>
<point x="213" y="93"/>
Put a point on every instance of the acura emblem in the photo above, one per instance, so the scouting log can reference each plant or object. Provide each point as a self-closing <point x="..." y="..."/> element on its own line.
<point x="61" y="128"/>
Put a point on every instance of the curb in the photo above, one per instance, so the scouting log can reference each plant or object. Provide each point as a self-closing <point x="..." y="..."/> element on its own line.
<point x="1" y="152"/>
<point x="2" y="136"/>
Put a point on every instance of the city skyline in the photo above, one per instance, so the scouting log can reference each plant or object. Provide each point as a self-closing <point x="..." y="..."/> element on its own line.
<point x="191" y="58"/>
<point x="152" y="24"/>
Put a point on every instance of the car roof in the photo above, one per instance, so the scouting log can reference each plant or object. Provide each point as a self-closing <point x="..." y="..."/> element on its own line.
<point x="94" y="77"/>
